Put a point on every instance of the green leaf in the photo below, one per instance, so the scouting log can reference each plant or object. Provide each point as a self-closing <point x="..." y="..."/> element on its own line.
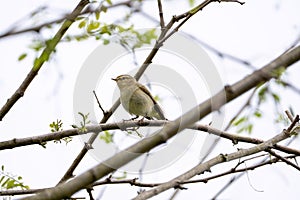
<point x="107" y="137"/>
<point x="276" y="97"/>
<point x="83" y="123"/>
<point x="80" y="18"/>
<point x="239" y="121"/>
<point x="97" y="15"/>
<point x="37" y="45"/>
<point x="22" y="56"/>
<point x="104" y="9"/>
<point x="56" y="126"/>
<point x="192" y="2"/>
<point x="109" y="2"/>
<point x="92" y="26"/>
<point x="249" y="128"/>
<point x="1" y="179"/>
<point x="106" y="41"/>
<point x="105" y="29"/>
<point x="281" y="119"/>
<point x="156" y="98"/>
<point x="10" y="184"/>
<point x="257" y="114"/>
<point x="262" y="93"/>
<point x="82" y="24"/>
<point x="278" y="72"/>
<point x="4" y="183"/>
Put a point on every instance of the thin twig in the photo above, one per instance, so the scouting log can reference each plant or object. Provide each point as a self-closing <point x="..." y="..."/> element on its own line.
<point x="233" y="171"/>
<point x="235" y="178"/>
<point x="162" y="136"/>
<point x="216" y="141"/>
<point x="99" y="103"/>
<point x="161" y="15"/>
<point x="283" y="159"/>
<point x="289" y="115"/>
<point x="161" y="39"/>
<point x="135" y="182"/>
<point x="245" y="105"/>
<point x="124" y="125"/>
<point x="202" y="167"/>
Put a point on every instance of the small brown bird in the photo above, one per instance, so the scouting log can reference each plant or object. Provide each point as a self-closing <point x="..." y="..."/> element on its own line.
<point x="136" y="98"/>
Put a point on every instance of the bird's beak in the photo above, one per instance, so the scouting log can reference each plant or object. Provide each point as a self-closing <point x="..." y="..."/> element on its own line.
<point x="114" y="79"/>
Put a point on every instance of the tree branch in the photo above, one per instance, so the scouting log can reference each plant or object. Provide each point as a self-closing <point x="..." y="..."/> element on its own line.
<point x="235" y="178"/>
<point x="217" y="160"/>
<point x="135" y="182"/>
<point x="41" y="139"/>
<point x="42" y="59"/>
<point x="283" y="159"/>
<point x="161" y="14"/>
<point x="161" y="39"/>
<point x="171" y="129"/>
<point x="13" y="32"/>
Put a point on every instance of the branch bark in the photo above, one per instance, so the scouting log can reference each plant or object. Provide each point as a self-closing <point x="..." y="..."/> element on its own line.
<point x="162" y="38"/>
<point x="214" y="103"/>
<point x="199" y="169"/>
<point x="41" y="139"/>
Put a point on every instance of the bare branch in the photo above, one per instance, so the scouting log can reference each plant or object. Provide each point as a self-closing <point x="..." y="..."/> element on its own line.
<point x="283" y="159"/>
<point x="162" y="38"/>
<point x="124" y="125"/>
<point x="171" y="129"/>
<point x="234" y="170"/>
<point x="161" y="14"/>
<point x="214" y="161"/>
<point x="99" y="104"/>
<point x="289" y="115"/>
<point x="135" y="182"/>
<point x="42" y="59"/>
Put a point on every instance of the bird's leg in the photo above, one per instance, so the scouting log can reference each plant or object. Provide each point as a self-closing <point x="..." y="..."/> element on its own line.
<point x="135" y="117"/>
<point x="141" y="120"/>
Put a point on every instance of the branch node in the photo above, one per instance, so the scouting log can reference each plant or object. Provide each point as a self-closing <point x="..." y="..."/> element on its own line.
<point x="108" y="179"/>
<point x="133" y="181"/>
<point x="88" y="146"/>
<point x="228" y="89"/>
<point x="224" y="157"/>
<point x="295" y="121"/>
<point x="178" y="186"/>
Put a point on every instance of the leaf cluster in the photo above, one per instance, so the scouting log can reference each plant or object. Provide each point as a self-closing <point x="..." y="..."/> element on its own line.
<point x="9" y="181"/>
<point x="85" y="121"/>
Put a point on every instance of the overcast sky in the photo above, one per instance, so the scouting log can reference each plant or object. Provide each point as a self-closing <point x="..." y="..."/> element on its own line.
<point x="258" y="31"/>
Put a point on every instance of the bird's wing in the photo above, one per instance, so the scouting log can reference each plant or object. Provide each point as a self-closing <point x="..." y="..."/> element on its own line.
<point x="156" y="106"/>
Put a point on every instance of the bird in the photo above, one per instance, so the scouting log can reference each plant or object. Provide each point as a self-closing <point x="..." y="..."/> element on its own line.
<point x="136" y="98"/>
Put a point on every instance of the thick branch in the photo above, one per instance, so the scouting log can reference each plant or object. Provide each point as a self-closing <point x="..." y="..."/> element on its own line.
<point x="161" y="39"/>
<point x="215" y="161"/>
<point x="41" y="139"/>
<point x="171" y="129"/>
<point x="135" y="182"/>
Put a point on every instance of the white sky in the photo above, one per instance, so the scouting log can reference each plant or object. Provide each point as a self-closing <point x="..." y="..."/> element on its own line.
<point x="258" y="31"/>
